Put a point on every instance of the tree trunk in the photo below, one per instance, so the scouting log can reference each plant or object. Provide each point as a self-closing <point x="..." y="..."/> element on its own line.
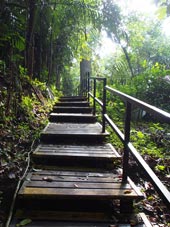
<point x="85" y="68"/>
<point x="50" y="66"/>
<point x="128" y="60"/>
<point x="117" y="39"/>
<point x="30" y="37"/>
<point x="58" y="77"/>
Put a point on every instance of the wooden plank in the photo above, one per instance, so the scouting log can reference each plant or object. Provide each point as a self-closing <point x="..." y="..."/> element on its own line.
<point x="65" y="224"/>
<point x="72" y="114"/>
<point x="73" y="133"/>
<point x="37" y="222"/>
<point x="51" y="218"/>
<point x="73" y="129"/>
<point x="78" y="118"/>
<point x="77" y="179"/>
<point x="67" y="152"/>
<point x="74" y="224"/>
<point x="70" y="99"/>
<point x="105" y="148"/>
<point x="79" y="185"/>
<point x="75" y="99"/>
<point x="101" y="174"/>
<point x="73" y="103"/>
<point x="64" y="215"/>
<point x="81" y="151"/>
<point x="73" y="154"/>
<point x="83" y="147"/>
<point x="77" y="176"/>
<point x="77" y="193"/>
<point x="63" y="109"/>
<point x="93" y="186"/>
<point x="98" y="152"/>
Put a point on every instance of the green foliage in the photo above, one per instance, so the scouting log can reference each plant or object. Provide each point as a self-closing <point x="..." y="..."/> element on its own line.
<point x="27" y="104"/>
<point x="145" y="144"/>
<point x="22" y="123"/>
<point x="114" y="140"/>
<point x="160" y="168"/>
<point x="44" y="37"/>
<point x="147" y="49"/>
<point x="24" y="222"/>
<point x="164" y="9"/>
<point x="116" y="109"/>
<point x="152" y="87"/>
<point x="38" y="84"/>
<point x="148" y="138"/>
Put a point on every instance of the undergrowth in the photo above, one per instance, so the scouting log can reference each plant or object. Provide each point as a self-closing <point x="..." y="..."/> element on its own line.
<point x="23" y="115"/>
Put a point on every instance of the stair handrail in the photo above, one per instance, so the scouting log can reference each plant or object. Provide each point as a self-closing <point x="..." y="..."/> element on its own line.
<point x="95" y="99"/>
<point x="125" y="138"/>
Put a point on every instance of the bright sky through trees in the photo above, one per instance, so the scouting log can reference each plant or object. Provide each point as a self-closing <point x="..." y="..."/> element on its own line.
<point x="128" y="6"/>
<point x="166" y="27"/>
<point x="145" y="6"/>
<point x="107" y="46"/>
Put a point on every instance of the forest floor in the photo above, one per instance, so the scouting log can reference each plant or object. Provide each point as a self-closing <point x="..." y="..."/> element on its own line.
<point x="152" y="205"/>
<point x="23" y="114"/>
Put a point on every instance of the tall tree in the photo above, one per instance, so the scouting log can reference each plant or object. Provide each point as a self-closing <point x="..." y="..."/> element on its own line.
<point x="31" y="17"/>
<point x="116" y="30"/>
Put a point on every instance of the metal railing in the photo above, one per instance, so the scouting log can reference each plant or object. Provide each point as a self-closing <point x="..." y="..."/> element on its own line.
<point x="125" y="137"/>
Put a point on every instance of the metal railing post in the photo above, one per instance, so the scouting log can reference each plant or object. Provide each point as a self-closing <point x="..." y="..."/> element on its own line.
<point x="88" y="87"/>
<point x="86" y="84"/>
<point x="126" y="141"/>
<point x="94" y="97"/>
<point x="104" y="106"/>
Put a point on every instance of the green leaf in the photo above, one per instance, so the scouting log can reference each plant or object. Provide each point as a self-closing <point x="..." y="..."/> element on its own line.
<point x="161" y="13"/>
<point x="140" y="135"/>
<point x="160" y="167"/>
<point x="24" y="222"/>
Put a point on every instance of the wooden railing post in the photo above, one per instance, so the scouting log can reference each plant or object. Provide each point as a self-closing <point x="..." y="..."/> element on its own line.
<point x="104" y="105"/>
<point x="126" y="141"/>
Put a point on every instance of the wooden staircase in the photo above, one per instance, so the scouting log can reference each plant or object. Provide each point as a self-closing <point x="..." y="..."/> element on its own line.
<point x="74" y="181"/>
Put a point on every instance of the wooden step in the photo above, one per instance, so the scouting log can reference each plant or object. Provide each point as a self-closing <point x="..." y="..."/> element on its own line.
<point x="77" y="185"/>
<point x="71" y="109"/>
<point x="94" y="156"/>
<point x="64" y="216"/>
<point x="73" y="103"/>
<point x="70" y="117"/>
<point x="38" y="219"/>
<point x="57" y="133"/>
<point x="72" y="98"/>
<point x="140" y="220"/>
<point x="69" y="195"/>
<point x="69" y="205"/>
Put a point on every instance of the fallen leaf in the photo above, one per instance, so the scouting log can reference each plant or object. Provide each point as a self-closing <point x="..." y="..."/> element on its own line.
<point x="76" y="186"/>
<point x="48" y="179"/>
<point x="36" y="170"/>
<point x="24" y="222"/>
<point x="133" y="222"/>
<point x="127" y="192"/>
<point x="11" y="175"/>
